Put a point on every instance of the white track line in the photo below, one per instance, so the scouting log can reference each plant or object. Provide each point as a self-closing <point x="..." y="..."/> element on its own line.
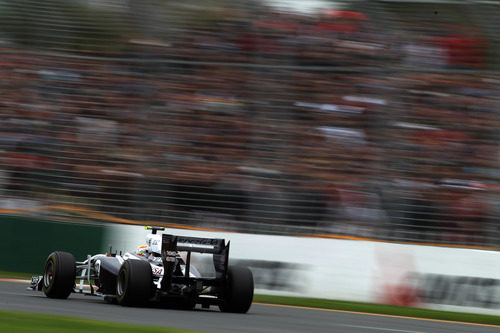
<point x="380" y="328"/>
<point x="15" y="280"/>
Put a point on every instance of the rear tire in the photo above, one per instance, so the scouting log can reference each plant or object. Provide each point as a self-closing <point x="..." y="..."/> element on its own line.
<point x="59" y="275"/>
<point x="238" y="292"/>
<point x="134" y="283"/>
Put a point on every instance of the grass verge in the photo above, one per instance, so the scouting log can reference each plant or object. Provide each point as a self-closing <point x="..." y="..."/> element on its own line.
<point x="33" y="322"/>
<point x="379" y="309"/>
<point x="11" y="275"/>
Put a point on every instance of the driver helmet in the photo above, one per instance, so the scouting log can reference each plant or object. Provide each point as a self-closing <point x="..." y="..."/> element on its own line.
<point x="142" y="251"/>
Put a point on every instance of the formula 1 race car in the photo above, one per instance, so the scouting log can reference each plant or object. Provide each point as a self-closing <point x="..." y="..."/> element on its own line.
<point x="160" y="272"/>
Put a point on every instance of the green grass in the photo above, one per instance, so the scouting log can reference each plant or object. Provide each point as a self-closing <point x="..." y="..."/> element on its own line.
<point x="33" y="322"/>
<point x="379" y="309"/>
<point x="12" y="275"/>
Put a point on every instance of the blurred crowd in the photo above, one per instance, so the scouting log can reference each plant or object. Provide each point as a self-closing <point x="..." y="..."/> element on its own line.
<point x="266" y="121"/>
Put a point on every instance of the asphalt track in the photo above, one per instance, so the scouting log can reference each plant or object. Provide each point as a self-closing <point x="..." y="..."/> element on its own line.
<point x="261" y="318"/>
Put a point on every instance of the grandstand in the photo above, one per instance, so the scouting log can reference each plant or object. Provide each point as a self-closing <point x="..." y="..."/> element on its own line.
<point x="370" y="119"/>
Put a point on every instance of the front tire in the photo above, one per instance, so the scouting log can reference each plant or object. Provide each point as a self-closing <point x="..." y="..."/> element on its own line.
<point x="59" y="275"/>
<point x="134" y="283"/>
<point x="238" y="292"/>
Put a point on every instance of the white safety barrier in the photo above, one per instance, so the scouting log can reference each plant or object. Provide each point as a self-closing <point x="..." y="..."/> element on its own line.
<point x="449" y="279"/>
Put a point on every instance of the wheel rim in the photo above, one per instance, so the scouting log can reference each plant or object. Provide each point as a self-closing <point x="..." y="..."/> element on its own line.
<point x="48" y="275"/>
<point x="120" y="286"/>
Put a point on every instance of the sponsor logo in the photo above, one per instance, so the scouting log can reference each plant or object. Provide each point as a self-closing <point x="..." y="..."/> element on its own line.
<point x="391" y="278"/>
<point x="267" y="274"/>
<point x="276" y="275"/>
<point x="197" y="241"/>
<point x="456" y="290"/>
<point x="417" y="288"/>
<point x="157" y="270"/>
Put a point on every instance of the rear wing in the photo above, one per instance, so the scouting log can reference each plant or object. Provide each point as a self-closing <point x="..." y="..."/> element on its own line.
<point x="171" y="244"/>
<point x="202" y="245"/>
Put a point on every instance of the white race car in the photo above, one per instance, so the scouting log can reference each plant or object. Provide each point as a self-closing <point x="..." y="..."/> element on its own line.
<point x="156" y="273"/>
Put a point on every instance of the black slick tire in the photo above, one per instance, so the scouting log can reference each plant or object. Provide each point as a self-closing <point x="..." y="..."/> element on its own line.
<point x="134" y="283"/>
<point x="59" y="275"/>
<point x="237" y="294"/>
